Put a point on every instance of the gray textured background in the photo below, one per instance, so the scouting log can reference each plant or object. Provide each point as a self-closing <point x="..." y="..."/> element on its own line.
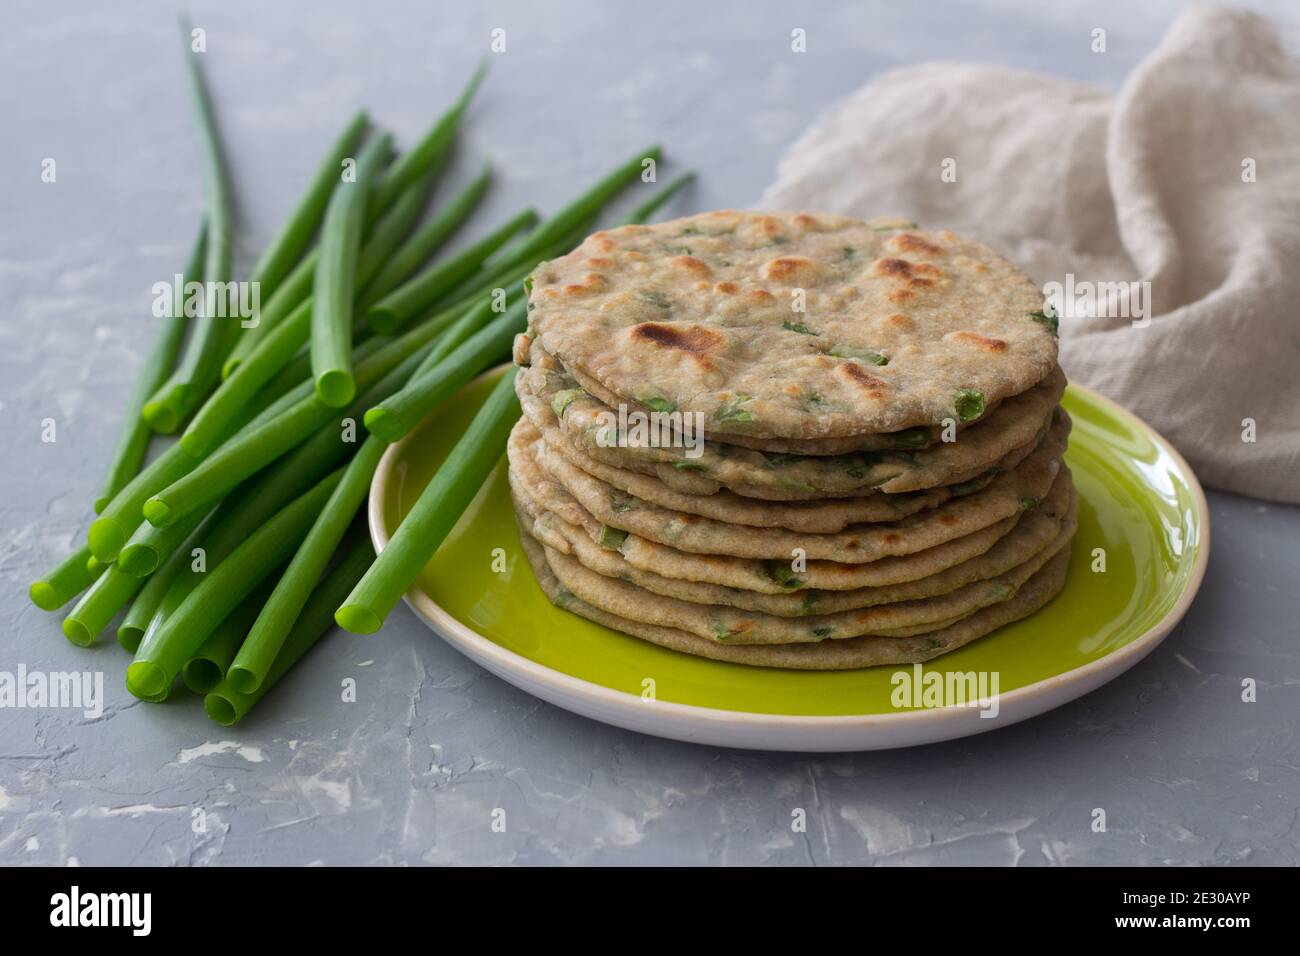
<point x="411" y="772"/>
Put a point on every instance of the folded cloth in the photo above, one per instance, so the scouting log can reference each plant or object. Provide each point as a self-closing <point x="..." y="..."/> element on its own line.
<point x="1184" y="188"/>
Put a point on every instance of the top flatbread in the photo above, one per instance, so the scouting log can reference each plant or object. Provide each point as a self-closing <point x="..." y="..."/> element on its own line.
<point x="777" y="325"/>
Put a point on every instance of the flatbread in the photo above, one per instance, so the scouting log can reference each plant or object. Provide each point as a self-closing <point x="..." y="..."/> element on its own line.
<point x="766" y="577"/>
<point x="1005" y="496"/>
<point x="847" y="654"/>
<point x="815" y="515"/>
<point x="729" y="625"/>
<point x="551" y="399"/>
<point x="1035" y="531"/>
<point x="775" y="324"/>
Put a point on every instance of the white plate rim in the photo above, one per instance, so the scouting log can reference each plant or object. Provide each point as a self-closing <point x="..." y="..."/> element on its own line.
<point x="792" y="732"/>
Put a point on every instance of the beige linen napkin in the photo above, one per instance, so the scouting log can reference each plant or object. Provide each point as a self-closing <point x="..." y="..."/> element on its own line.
<point x="1187" y="181"/>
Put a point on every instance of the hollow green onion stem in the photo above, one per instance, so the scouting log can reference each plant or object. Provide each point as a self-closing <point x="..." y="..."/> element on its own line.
<point x="227" y="706"/>
<point x="425" y="242"/>
<point x="99" y="605"/>
<point x="268" y="438"/>
<point x="207" y="668"/>
<point x="284" y="251"/>
<point x="211" y="335"/>
<point x="434" y="514"/>
<point x="277" y="350"/>
<point x="271" y="629"/>
<point x="164" y="651"/>
<point x="432" y="148"/>
<point x="121" y="516"/>
<point x="133" y="443"/>
<point x="335" y="281"/>
<point x="414" y="296"/>
<point x="643" y="212"/>
<point x="396" y="416"/>
<point x="65" y="581"/>
<point x="582" y="209"/>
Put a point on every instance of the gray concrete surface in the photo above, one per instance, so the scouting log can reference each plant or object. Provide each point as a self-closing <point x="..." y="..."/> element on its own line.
<point x="412" y="771"/>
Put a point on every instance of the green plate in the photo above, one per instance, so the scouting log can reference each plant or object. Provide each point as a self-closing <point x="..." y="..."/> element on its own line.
<point x="1141" y="510"/>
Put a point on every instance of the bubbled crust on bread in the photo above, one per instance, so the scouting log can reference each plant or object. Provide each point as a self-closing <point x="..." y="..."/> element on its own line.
<point x="697" y="314"/>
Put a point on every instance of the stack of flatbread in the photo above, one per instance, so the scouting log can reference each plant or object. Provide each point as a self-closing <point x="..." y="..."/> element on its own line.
<point x="792" y="440"/>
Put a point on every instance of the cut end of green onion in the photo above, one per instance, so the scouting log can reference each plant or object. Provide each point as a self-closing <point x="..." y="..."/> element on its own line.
<point x="382" y="424"/>
<point x="231" y="364"/>
<point x="161" y="417"/>
<point x="105" y="538"/>
<point x="336" y="387"/>
<point x="243" y="679"/>
<point x="138" y="560"/>
<point x="77" y="632"/>
<point x="101" y="503"/>
<point x="220" y="709"/>
<point x="130" y="636"/>
<point x="193" y="445"/>
<point x="44" y="596"/>
<point x="156" y="512"/>
<point x="969" y="404"/>
<point x="201" y="675"/>
<point x="146" y="680"/>
<point x="356" y="619"/>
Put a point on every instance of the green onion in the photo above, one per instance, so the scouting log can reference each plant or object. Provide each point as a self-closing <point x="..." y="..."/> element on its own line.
<point x="149" y="547"/>
<point x="340" y="244"/>
<point x="282" y="303"/>
<point x="470" y="321"/>
<point x="486" y="281"/>
<point x="647" y="209"/>
<point x="612" y="538"/>
<point x="207" y="668"/>
<point x="277" y="350"/>
<point x="435" y="513"/>
<point x="244" y="511"/>
<point x="870" y="356"/>
<point x="910" y="438"/>
<point x="99" y="605"/>
<point x="429" y="155"/>
<point x="135" y="623"/>
<point x="65" y="581"/>
<point x="426" y="241"/>
<point x="200" y="363"/>
<point x="657" y="403"/>
<point x="389" y="233"/>
<point x="287" y="247"/>
<point x="580" y="210"/>
<point x="226" y="705"/>
<point x="274" y="352"/>
<point x="121" y="516"/>
<point x="396" y="416"/>
<point x="281" y="610"/>
<point x="412" y="297"/>
<point x="269" y="437"/>
<point x="969" y="404"/>
<point x="432" y="149"/>
<point x="563" y="399"/>
<point x="1047" y="319"/>
<point x="163" y="652"/>
<point x="734" y="410"/>
<point x="136" y="432"/>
